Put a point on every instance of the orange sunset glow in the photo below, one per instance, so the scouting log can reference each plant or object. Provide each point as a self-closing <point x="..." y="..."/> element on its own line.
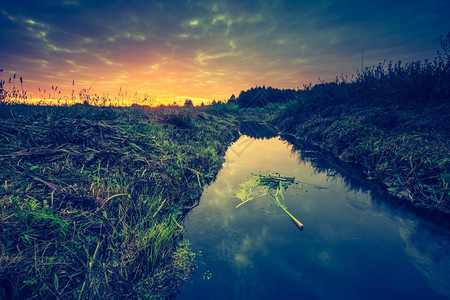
<point x="169" y="51"/>
<point x="225" y="149"/>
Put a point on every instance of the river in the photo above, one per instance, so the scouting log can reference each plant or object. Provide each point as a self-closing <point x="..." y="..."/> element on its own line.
<point x="356" y="243"/>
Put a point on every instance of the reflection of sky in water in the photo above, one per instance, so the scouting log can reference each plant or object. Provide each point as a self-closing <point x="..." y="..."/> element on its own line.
<point x="351" y="248"/>
<point x="429" y="252"/>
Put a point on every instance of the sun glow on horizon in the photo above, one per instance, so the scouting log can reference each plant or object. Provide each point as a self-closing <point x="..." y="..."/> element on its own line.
<point x="69" y="95"/>
<point x="202" y="51"/>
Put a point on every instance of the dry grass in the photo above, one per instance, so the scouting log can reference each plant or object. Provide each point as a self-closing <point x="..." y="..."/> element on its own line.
<point x="92" y="199"/>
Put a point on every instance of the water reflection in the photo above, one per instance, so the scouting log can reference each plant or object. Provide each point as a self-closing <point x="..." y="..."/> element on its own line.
<point x="323" y="161"/>
<point x="428" y="251"/>
<point x="354" y="245"/>
<point x="257" y="130"/>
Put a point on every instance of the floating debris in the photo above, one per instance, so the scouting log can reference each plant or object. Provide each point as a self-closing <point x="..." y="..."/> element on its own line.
<point x="272" y="185"/>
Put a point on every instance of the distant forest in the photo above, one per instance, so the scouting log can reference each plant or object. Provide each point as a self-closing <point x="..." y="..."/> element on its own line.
<point x="262" y="96"/>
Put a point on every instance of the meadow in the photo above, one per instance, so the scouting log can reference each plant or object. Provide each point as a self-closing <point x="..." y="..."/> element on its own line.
<point x="93" y="198"/>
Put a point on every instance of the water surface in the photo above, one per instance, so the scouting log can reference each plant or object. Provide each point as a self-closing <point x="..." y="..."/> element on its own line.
<point x="355" y="245"/>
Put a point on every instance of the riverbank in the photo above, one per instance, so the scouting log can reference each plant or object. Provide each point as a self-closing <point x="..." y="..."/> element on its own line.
<point x="393" y="121"/>
<point x="92" y="198"/>
<point x="406" y="148"/>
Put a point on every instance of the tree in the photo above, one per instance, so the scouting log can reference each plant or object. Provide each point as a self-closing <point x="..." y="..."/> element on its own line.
<point x="188" y="103"/>
<point x="232" y="99"/>
<point x="445" y="45"/>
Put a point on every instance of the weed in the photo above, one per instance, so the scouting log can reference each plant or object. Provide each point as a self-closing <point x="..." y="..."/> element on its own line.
<point x="392" y="120"/>
<point x="262" y="185"/>
<point x="92" y="199"/>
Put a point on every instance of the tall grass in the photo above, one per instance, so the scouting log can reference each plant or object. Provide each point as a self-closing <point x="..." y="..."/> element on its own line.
<point x="12" y="94"/>
<point x="92" y="199"/>
<point x="392" y="120"/>
<point x="412" y="84"/>
<point x="55" y="96"/>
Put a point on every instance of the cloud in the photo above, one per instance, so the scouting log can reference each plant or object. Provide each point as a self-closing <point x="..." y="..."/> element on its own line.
<point x="212" y="48"/>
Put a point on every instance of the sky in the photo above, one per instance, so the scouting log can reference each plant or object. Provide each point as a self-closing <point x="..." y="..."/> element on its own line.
<point x="174" y="50"/>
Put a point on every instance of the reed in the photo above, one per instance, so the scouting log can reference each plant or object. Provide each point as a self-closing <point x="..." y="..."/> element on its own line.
<point x="92" y="198"/>
<point x="272" y="185"/>
<point x="54" y="95"/>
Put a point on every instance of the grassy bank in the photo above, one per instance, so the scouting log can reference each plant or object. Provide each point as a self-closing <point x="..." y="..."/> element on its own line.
<point x="393" y="121"/>
<point x="406" y="150"/>
<point x="92" y="199"/>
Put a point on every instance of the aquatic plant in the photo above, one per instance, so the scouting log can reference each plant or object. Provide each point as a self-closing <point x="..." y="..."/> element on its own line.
<point x="266" y="184"/>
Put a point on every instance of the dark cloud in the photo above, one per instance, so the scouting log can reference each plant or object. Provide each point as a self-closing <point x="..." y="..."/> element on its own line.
<point x="211" y="48"/>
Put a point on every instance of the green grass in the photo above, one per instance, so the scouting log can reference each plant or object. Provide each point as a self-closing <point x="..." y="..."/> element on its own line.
<point x="406" y="149"/>
<point x="391" y="120"/>
<point x="92" y="199"/>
